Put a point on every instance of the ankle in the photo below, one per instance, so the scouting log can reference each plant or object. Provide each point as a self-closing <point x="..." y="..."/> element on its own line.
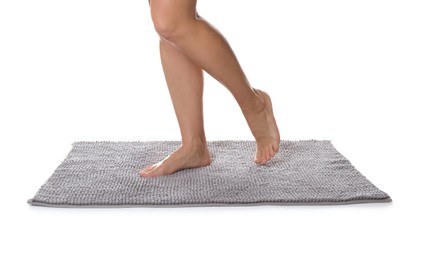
<point x="255" y="106"/>
<point x="194" y="143"/>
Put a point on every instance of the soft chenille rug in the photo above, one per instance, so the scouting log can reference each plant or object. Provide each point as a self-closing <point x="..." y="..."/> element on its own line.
<point x="305" y="172"/>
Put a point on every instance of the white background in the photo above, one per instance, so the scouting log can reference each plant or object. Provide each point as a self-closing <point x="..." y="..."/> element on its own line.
<point x="347" y="71"/>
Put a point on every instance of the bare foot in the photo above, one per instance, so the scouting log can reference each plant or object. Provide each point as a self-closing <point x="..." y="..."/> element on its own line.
<point x="265" y="130"/>
<point x="182" y="158"/>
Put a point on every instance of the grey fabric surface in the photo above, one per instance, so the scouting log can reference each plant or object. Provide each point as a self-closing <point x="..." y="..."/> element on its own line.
<point x="305" y="172"/>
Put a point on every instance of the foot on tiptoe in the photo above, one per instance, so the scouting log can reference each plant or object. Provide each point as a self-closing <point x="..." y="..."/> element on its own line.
<point x="263" y="125"/>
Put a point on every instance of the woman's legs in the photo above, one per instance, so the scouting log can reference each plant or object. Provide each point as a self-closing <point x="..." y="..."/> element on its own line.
<point x="202" y="44"/>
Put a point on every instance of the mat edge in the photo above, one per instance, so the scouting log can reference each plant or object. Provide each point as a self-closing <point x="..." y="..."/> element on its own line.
<point x="32" y="203"/>
<point x="173" y="140"/>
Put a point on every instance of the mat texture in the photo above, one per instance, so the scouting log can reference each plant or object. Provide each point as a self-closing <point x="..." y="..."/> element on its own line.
<point x="305" y="172"/>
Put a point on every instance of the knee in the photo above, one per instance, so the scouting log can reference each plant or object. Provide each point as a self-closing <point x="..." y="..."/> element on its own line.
<point x="171" y="27"/>
<point x="165" y="26"/>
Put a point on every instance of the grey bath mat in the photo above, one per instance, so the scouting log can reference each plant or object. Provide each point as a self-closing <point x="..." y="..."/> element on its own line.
<point x="105" y="174"/>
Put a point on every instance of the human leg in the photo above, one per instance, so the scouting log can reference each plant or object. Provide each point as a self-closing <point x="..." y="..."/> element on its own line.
<point x="185" y="84"/>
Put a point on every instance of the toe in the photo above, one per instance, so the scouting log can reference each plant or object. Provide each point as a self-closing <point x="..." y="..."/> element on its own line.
<point x="144" y="174"/>
<point x="264" y="156"/>
<point x="159" y="169"/>
<point x="271" y="152"/>
<point x="150" y="173"/>
<point x="258" y="158"/>
<point x="146" y="169"/>
<point x="268" y="156"/>
<point x="276" y="147"/>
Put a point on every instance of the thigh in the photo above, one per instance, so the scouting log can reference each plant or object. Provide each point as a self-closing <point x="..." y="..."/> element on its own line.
<point x="180" y="9"/>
